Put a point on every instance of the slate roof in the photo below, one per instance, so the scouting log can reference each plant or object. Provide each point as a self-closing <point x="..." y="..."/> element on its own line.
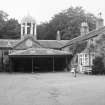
<point x="89" y="35"/>
<point x="39" y="51"/>
<point x="52" y="43"/>
<point x="55" y="44"/>
<point x="4" y="43"/>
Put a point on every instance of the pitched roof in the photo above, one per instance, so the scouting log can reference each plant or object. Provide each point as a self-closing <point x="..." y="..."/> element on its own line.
<point x="39" y="51"/>
<point x="55" y="44"/>
<point x="4" y="43"/>
<point x="86" y="37"/>
<point x="52" y="43"/>
<point x="21" y="44"/>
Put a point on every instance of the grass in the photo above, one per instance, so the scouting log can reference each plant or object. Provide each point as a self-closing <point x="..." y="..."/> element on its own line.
<point x="51" y="89"/>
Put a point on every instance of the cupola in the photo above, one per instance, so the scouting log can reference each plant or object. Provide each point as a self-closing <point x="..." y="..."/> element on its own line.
<point x="28" y="27"/>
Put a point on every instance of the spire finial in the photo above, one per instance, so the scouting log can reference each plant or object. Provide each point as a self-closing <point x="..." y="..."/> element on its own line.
<point x="100" y="15"/>
<point x="28" y="13"/>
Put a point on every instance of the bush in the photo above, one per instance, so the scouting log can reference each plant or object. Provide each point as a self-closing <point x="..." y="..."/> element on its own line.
<point x="98" y="66"/>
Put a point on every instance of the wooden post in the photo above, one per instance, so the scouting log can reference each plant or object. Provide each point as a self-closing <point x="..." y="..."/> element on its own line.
<point x="53" y="64"/>
<point x="10" y="65"/>
<point x="2" y="61"/>
<point x="74" y="72"/>
<point x="66" y="65"/>
<point x="32" y="66"/>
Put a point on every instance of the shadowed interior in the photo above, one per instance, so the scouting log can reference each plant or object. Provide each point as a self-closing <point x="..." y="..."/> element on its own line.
<point x="38" y="64"/>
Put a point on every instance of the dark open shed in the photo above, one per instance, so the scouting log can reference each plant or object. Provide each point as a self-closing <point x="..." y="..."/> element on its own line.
<point x="39" y="60"/>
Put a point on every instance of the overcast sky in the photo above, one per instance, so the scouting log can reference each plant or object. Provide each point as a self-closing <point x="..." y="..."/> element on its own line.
<point x="43" y="10"/>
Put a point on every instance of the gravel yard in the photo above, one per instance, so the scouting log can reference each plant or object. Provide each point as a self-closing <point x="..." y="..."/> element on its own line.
<point x="51" y="89"/>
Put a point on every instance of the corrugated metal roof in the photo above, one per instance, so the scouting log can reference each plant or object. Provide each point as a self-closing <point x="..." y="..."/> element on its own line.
<point x="39" y="51"/>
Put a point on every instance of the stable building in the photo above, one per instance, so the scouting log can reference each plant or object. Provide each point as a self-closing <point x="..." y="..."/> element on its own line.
<point x="31" y="55"/>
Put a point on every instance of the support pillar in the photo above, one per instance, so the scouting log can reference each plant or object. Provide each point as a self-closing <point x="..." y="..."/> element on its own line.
<point x="10" y="65"/>
<point x="2" y="61"/>
<point x="31" y="29"/>
<point x="53" y="64"/>
<point x="26" y="28"/>
<point x="21" y="31"/>
<point x="32" y="66"/>
<point x="35" y="31"/>
<point x="66" y="65"/>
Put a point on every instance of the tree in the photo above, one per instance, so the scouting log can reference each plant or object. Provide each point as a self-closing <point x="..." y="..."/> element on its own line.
<point x="45" y="31"/>
<point x="75" y="49"/>
<point x="78" y="47"/>
<point x="98" y="66"/>
<point x="11" y="30"/>
<point x="68" y="22"/>
<point x="3" y="19"/>
<point x="100" y="47"/>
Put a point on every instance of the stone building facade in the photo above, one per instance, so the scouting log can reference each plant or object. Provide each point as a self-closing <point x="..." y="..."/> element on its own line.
<point x="85" y="58"/>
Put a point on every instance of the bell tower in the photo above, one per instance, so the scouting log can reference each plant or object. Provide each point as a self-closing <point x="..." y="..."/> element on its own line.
<point x="28" y="27"/>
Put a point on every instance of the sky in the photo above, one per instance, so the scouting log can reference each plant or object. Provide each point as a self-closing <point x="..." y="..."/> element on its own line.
<point x="44" y="10"/>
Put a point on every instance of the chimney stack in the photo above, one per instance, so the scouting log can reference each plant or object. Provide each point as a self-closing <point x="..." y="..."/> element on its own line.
<point x="84" y="28"/>
<point x="58" y="35"/>
<point x="99" y="21"/>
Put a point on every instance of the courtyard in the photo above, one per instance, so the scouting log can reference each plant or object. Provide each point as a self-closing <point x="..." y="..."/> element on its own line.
<point x="51" y="89"/>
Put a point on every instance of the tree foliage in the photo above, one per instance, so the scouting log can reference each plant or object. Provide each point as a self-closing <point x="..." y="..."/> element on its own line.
<point x="68" y="22"/>
<point x="77" y="48"/>
<point x="99" y="61"/>
<point x="9" y="28"/>
<point x="100" y="47"/>
<point x="45" y="31"/>
<point x="3" y="18"/>
<point x="98" y="66"/>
